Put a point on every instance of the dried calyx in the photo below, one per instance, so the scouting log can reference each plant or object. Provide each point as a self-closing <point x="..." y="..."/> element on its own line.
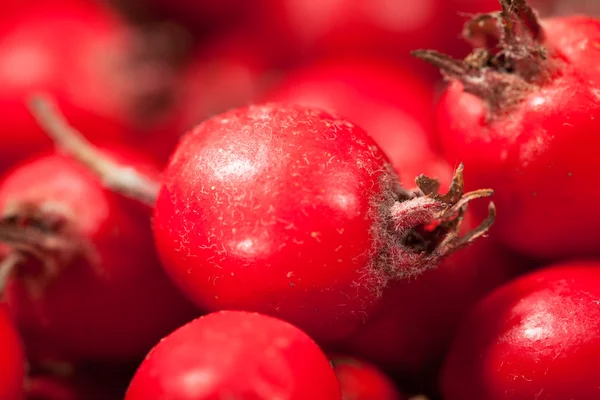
<point x="426" y="228"/>
<point x="509" y="56"/>
<point x="45" y="237"/>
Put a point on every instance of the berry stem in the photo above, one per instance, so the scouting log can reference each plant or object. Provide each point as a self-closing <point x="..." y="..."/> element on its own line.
<point x="471" y="76"/>
<point x="509" y="58"/>
<point x="422" y="246"/>
<point x="119" y="178"/>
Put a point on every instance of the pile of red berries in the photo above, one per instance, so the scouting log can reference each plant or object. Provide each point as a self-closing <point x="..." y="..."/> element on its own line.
<point x="278" y="200"/>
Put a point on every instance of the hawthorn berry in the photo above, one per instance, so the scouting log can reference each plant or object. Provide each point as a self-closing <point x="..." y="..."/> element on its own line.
<point x="87" y="283"/>
<point x="289" y="211"/>
<point x="237" y="355"/>
<point x="535" y="337"/>
<point x="522" y="111"/>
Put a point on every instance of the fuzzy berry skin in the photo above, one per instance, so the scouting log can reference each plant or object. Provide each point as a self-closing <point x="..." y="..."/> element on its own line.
<point x="235" y="354"/>
<point x="393" y="105"/>
<point x="530" y="134"/>
<point x="270" y="209"/>
<point x="360" y="380"/>
<point x="105" y="80"/>
<point x="535" y="338"/>
<point x="12" y="359"/>
<point x="292" y="212"/>
<point x="91" y="286"/>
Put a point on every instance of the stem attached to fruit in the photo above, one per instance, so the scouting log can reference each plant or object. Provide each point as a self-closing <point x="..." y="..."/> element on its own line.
<point x="30" y="234"/>
<point x="509" y="58"/>
<point x="426" y="228"/>
<point x="451" y="216"/>
<point x="120" y="178"/>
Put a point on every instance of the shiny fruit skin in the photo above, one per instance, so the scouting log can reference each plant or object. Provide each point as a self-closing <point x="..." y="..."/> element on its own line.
<point x="235" y="354"/>
<point x="537" y="337"/>
<point x="270" y="208"/>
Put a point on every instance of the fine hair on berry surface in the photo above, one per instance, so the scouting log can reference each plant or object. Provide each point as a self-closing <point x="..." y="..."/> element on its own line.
<point x="289" y="211"/>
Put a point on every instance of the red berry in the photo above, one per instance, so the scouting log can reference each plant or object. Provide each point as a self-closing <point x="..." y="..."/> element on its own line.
<point x="391" y="104"/>
<point x="105" y="79"/>
<point x="523" y="120"/>
<point x="362" y="381"/>
<point x="537" y="337"/>
<point x="235" y="354"/>
<point x="12" y="359"/>
<point x="296" y="213"/>
<point x="90" y="285"/>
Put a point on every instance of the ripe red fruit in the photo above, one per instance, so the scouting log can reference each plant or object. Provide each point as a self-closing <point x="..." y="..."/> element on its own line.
<point x="410" y="337"/>
<point x="90" y="285"/>
<point x="235" y="354"/>
<point x="362" y="381"/>
<point x="536" y="337"/>
<point x="290" y="211"/>
<point x="391" y="104"/>
<point x="12" y="359"/>
<point x="100" y="72"/>
<point x="523" y="120"/>
<point x="295" y="213"/>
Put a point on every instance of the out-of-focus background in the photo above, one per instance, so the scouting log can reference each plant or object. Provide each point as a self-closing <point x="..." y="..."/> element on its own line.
<point x="145" y="71"/>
